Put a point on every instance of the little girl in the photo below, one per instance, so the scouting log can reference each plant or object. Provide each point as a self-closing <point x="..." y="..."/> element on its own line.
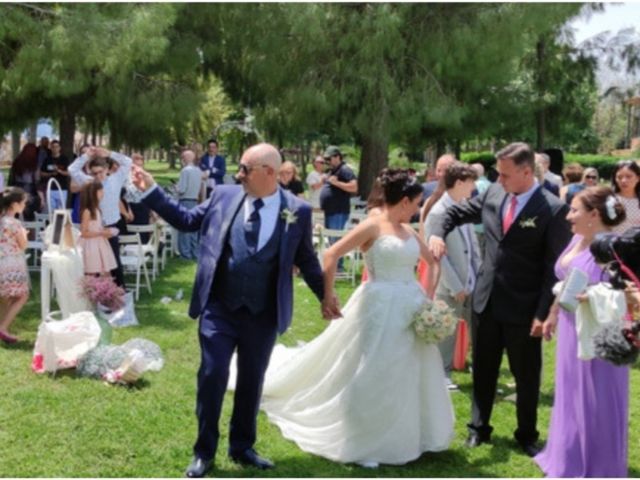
<point x="97" y="255"/>
<point x="14" y="278"/>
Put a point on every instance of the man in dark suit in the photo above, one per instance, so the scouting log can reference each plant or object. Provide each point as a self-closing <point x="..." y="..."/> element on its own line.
<point x="213" y="166"/>
<point x="525" y="232"/>
<point x="250" y="238"/>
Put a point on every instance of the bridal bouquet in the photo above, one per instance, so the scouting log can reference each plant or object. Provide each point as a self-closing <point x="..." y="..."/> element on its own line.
<point x="102" y="291"/>
<point x="434" y="322"/>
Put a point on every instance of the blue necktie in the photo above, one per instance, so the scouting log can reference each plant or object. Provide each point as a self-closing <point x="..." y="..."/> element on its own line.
<point x="252" y="227"/>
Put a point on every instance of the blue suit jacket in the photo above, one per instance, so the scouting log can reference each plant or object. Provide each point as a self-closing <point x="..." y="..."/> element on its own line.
<point x="213" y="219"/>
<point x="218" y="163"/>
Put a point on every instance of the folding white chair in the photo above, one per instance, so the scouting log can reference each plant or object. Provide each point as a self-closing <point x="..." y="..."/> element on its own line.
<point x="328" y="235"/>
<point x="134" y="261"/>
<point x="151" y="247"/>
<point x="35" y="246"/>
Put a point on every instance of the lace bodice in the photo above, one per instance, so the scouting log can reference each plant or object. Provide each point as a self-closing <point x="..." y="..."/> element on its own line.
<point x="392" y="259"/>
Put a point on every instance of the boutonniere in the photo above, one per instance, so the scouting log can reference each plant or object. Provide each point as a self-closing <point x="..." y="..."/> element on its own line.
<point x="528" y="222"/>
<point x="289" y="217"/>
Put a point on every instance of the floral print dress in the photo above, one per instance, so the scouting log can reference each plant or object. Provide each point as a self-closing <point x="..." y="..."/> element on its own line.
<point x="14" y="278"/>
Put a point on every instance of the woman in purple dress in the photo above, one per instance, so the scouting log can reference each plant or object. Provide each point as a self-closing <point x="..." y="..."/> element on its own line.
<point x="588" y="430"/>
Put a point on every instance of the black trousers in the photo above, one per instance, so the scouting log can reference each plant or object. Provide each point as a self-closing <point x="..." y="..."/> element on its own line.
<point x="117" y="274"/>
<point x="491" y="336"/>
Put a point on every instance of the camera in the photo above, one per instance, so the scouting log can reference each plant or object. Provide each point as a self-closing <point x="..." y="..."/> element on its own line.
<point x="620" y="253"/>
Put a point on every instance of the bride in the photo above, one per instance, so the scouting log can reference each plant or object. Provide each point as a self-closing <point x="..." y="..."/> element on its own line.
<point x="367" y="390"/>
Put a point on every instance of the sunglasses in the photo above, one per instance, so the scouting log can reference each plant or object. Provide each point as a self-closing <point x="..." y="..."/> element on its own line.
<point x="591" y="177"/>
<point x="247" y="169"/>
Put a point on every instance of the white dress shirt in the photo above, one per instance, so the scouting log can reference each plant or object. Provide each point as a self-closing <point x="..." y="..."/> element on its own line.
<point x="269" y="214"/>
<point x="113" y="184"/>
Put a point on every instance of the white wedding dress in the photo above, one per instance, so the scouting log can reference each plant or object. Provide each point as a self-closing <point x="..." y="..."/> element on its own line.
<point x="366" y="390"/>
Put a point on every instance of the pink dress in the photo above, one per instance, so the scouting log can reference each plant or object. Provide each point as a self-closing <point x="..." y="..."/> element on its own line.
<point x="14" y="278"/>
<point x="96" y="251"/>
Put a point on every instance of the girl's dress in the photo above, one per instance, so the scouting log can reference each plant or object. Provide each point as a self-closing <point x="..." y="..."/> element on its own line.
<point x="14" y="277"/>
<point x="96" y="252"/>
<point x="589" y="420"/>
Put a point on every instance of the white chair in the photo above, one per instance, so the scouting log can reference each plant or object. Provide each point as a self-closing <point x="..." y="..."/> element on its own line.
<point x="326" y="236"/>
<point x="35" y="246"/>
<point x="151" y="247"/>
<point x="134" y="261"/>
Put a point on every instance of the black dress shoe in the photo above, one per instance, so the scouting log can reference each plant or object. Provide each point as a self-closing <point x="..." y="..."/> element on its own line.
<point x="475" y="439"/>
<point x="251" y="458"/>
<point x="531" y="449"/>
<point x="198" y="467"/>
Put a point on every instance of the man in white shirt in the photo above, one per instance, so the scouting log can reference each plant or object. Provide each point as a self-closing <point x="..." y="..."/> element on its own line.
<point x="97" y="157"/>
<point x="315" y="180"/>
<point x="188" y="189"/>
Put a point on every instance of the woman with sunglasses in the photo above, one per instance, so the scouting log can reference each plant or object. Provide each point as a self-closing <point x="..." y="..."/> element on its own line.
<point x="590" y="178"/>
<point x="625" y="181"/>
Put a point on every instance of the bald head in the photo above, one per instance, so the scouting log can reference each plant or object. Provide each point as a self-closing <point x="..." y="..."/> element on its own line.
<point x="479" y="169"/>
<point x="443" y="163"/>
<point x="263" y="154"/>
<point x="188" y="157"/>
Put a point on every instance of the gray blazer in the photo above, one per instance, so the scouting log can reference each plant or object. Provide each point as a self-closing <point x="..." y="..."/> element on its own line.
<point x="455" y="264"/>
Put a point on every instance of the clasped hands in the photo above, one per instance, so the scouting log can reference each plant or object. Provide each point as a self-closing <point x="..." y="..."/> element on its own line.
<point x="330" y="307"/>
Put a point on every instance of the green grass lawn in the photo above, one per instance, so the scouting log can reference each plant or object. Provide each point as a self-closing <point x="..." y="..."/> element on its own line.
<point x="63" y="426"/>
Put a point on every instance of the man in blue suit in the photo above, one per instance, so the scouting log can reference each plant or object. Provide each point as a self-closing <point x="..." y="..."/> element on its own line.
<point x="213" y="166"/>
<point x="250" y="238"/>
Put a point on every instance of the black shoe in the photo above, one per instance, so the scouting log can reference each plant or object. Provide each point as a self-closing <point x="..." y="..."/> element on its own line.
<point x="531" y="449"/>
<point x="198" y="467"/>
<point x="475" y="439"/>
<point x="251" y="458"/>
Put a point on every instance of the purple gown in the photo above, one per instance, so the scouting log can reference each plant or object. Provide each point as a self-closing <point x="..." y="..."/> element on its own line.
<point x="589" y="419"/>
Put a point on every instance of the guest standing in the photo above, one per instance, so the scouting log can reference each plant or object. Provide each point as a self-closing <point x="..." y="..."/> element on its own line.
<point x="588" y="431"/>
<point x="525" y="232"/>
<point x="14" y="278"/>
<point x="460" y="266"/>
<point x="97" y="255"/>
<point x="25" y="174"/>
<point x="289" y="180"/>
<point x="315" y="180"/>
<point x="213" y="166"/>
<point x="188" y="189"/>
<point x="626" y="185"/>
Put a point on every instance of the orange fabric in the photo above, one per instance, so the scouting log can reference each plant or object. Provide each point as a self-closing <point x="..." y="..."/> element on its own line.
<point x="462" y="346"/>
<point x="423" y="272"/>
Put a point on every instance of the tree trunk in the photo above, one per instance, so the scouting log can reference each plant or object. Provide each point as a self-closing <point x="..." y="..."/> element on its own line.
<point x="32" y="135"/>
<point x="67" y="132"/>
<point x="627" y="143"/>
<point x="15" y="143"/>
<point x="375" y="156"/>
<point x="540" y="85"/>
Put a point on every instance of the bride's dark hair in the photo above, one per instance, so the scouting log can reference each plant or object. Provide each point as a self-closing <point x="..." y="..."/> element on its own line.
<point x="396" y="184"/>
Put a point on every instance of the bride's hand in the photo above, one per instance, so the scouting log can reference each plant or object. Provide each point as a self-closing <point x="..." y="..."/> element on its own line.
<point x="331" y="307"/>
<point x="437" y="247"/>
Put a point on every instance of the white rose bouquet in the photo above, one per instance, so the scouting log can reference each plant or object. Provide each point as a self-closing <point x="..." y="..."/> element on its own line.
<point x="434" y="321"/>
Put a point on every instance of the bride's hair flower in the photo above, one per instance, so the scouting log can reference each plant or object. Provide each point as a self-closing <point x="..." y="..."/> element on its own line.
<point x="434" y="321"/>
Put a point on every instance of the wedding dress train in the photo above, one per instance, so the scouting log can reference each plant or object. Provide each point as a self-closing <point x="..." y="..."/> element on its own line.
<point x="366" y="390"/>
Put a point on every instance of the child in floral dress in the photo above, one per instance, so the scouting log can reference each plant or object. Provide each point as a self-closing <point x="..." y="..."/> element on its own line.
<point x="14" y="278"/>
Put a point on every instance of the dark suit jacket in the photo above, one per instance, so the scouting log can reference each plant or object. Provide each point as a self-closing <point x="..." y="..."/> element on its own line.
<point x="213" y="219"/>
<point x="218" y="163"/>
<point x="517" y="272"/>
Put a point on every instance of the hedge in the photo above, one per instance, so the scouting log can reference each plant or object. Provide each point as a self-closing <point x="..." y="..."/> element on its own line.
<point x="603" y="163"/>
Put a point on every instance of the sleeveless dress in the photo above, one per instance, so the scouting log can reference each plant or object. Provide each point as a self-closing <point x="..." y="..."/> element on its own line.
<point x="14" y="277"/>
<point x="97" y="254"/>
<point x="366" y="390"/>
<point x="589" y="420"/>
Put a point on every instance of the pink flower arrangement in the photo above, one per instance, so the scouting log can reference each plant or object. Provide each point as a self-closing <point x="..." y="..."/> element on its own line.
<point x="103" y="291"/>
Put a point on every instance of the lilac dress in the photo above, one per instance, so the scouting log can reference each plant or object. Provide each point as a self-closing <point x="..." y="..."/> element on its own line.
<point x="589" y="420"/>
